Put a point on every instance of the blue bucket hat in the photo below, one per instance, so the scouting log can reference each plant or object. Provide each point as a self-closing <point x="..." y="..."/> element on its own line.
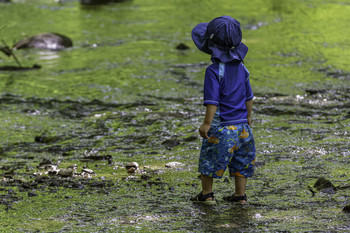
<point x="221" y="38"/>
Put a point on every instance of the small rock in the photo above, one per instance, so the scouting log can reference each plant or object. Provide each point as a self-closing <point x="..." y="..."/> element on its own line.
<point x="347" y="209"/>
<point x="132" y="164"/>
<point x="132" y="167"/>
<point x="66" y="172"/>
<point x="52" y="173"/>
<point x="323" y="184"/>
<point x="50" y="41"/>
<point x="173" y="164"/>
<point x="131" y="170"/>
<point x="89" y="171"/>
<point x="68" y="197"/>
<point x="182" y="46"/>
<point x="51" y="167"/>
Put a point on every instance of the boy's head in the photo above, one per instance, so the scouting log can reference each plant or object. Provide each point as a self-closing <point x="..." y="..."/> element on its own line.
<point x="221" y="38"/>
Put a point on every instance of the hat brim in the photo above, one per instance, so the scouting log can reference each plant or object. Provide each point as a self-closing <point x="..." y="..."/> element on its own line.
<point x="217" y="53"/>
<point x="198" y="37"/>
<point x="237" y="53"/>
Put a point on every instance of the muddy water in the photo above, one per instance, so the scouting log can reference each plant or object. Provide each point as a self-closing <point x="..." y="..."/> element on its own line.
<point x="125" y="91"/>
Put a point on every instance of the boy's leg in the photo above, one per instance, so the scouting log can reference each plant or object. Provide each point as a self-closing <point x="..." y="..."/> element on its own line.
<point x="207" y="185"/>
<point x="240" y="183"/>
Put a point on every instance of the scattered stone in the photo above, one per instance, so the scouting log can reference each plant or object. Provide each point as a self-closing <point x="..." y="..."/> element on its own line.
<point x="324" y="184"/>
<point x="87" y="173"/>
<point x="68" y="197"/>
<point x="116" y="168"/>
<point x="52" y="173"/>
<point x="182" y="46"/>
<point x="347" y="209"/>
<point x="132" y="167"/>
<point x="50" y="41"/>
<point x="66" y="172"/>
<point x="174" y="164"/>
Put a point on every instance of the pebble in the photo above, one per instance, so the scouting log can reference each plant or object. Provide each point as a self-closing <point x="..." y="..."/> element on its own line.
<point x="347" y="209"/>
<point x="173" y="164"/>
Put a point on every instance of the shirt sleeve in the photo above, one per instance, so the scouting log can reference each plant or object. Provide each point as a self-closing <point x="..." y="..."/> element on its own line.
<point x="249" y="92"/>
<point x="211" y="87"/>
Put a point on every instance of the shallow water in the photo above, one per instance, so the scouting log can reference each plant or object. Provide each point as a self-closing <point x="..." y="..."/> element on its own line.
<point x="125" y="90"/>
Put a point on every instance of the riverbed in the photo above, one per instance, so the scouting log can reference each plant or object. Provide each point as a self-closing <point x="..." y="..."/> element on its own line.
<point x="127" y="92"/>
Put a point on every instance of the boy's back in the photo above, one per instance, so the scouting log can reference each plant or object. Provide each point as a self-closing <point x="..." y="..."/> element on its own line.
<point x="227" y="86"/>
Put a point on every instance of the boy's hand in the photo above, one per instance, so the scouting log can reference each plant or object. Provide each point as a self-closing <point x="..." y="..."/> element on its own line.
<point x="203" y="130"/>
<point x="249" y="121"/>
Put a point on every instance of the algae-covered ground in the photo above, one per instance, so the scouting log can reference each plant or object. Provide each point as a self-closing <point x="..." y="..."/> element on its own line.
<point x="125" y="93"/>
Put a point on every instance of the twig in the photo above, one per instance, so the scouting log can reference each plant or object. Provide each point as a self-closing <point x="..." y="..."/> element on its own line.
<point x="9" y="52"/>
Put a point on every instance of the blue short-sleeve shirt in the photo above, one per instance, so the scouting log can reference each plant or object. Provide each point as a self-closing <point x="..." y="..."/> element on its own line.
<point x="227" y="86"/>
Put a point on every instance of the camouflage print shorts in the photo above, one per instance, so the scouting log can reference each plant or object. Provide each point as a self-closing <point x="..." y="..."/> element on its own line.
<point x="228" y="146"/>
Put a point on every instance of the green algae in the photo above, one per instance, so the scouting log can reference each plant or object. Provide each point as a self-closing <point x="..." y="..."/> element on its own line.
<point x="124" y="90"/>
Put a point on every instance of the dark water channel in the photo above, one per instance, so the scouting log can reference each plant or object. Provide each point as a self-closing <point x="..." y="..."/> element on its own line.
<point x="126" y="93"/>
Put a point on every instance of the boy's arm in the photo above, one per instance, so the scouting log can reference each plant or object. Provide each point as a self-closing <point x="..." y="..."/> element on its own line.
<point x="249" y="106"/>
<point x="209" y="115"/>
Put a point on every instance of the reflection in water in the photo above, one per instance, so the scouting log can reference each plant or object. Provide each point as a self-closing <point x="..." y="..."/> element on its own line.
<point x="225" y="216"/>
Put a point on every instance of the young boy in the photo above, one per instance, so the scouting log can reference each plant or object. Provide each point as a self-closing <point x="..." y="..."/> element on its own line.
<point x="227" y="138"/>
